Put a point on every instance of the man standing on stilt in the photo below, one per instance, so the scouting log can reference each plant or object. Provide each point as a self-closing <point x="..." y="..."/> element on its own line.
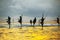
<point x="9" y="21"/>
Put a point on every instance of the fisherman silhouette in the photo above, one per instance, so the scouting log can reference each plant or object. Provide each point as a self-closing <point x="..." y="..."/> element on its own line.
<point x="20" y="21"/>
<point x="58" y="20"/>
<point x="34" y="21"/>
<point x="42" y="22"/>
<point x="31" y="22"/>
<point x="9" y="21"/>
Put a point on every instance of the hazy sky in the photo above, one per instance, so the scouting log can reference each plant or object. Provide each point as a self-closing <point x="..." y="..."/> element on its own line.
<point x="30" y="8"/>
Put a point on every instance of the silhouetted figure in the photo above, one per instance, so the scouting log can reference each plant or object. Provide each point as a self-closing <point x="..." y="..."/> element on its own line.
<point x="58" y="20"/>
<point x="9" y="21"/>
<point x="31" y="22"/>
<point x="42" y="22"/>
<point x="20" y="21"/>
<point x="34" y="21"/>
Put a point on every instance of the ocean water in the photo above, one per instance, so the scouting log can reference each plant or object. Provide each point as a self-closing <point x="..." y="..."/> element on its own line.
<point x="17" y="25"/>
